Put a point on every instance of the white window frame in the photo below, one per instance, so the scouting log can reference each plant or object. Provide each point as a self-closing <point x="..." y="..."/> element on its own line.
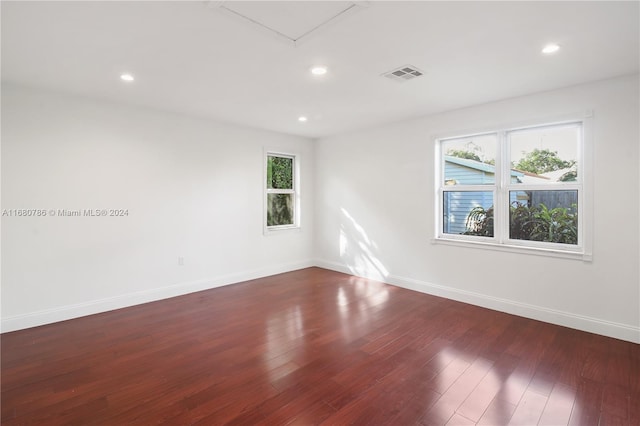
<point x="295" y="190"/>
<point x="500" y="189"/>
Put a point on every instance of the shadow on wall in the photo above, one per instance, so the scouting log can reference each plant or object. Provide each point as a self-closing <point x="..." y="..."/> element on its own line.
<point x="358" y="251"/>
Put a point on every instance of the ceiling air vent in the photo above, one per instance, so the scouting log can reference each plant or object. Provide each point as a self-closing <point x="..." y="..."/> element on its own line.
<point x="404" y="73"/>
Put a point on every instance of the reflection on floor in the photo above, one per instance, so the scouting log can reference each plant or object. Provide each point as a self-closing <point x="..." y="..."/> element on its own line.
<point x="310" y="347"/>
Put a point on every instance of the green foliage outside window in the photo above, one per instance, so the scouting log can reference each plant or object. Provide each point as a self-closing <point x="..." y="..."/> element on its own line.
<point x="531" y="223"/>
<point x="280" y="205"/>
<point x="279" y="172"/>
<point x="279" y="209"/>
<point x="541" y="161"/>
<point x="480" y="222"/>
<point x="469" y="155"/>
<point x="459" y="153"/>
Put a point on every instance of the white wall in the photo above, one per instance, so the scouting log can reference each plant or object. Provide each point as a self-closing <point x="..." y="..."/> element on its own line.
<point x="193" y="189"/>
<point x="375" y="214"/>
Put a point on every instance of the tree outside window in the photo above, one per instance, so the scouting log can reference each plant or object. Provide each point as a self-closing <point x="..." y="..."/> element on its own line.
<point x="281" y="191"/>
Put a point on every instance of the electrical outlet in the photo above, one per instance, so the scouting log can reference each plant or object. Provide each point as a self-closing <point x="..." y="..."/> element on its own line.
<point x="180" y="261"/>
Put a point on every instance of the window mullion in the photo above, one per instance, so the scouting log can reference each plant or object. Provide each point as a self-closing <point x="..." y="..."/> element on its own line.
<point x="503" y="173"/>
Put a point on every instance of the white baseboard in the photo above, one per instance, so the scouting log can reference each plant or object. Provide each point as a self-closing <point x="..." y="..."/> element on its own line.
<point x="566" y="319"/>
<point x="48" y="316"/>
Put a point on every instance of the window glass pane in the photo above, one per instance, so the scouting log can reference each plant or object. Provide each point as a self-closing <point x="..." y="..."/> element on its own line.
<point x="279" y="172"/>
<point x="468" y="213"/>
<point x="545" y="155"/>
<point x="550" y="216"/>
<point x="279" y="209"/>
<point x="470" y="161"/>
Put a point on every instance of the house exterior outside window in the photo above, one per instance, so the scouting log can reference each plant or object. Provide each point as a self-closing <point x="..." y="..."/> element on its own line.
<point x="521" y="188"/>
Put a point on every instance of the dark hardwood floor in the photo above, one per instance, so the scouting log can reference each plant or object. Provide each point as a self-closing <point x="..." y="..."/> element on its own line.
<point x="315" y="347"/>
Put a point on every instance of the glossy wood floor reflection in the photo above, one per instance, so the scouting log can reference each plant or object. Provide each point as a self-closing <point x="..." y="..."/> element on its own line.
<point x="315" y="347"/>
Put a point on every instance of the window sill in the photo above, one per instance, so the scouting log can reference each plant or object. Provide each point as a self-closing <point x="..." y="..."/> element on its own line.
<point x="279" y="230"/>
<point x="536" y="251"/>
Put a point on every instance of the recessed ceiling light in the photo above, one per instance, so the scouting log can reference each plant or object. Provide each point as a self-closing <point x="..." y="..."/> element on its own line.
<point x="319" y="70"/>
<point x="302" y="119"/>
<point x="126" y="77"/>
<point x="550" y="48"/>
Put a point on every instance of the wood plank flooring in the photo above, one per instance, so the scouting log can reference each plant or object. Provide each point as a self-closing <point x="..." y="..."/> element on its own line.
<point x="315" y="347"/>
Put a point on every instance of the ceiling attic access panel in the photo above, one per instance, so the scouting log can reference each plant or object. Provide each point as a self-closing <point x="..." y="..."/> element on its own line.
<point x="290" y="21"/>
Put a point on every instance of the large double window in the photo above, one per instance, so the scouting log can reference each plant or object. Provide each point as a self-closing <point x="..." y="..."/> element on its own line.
<point x="518" y="187"/>
<point x="281" y="204"/>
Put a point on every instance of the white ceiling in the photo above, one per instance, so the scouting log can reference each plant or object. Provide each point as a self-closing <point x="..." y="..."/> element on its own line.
<point x="201" y="59"/>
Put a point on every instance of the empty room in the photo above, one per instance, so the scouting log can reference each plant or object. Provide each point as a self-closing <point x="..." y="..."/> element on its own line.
<point x="320" y="212"/>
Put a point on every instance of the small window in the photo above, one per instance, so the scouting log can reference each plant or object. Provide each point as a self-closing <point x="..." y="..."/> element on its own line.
<point x="513" y="187"/>
<point x="281" y="191"/>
